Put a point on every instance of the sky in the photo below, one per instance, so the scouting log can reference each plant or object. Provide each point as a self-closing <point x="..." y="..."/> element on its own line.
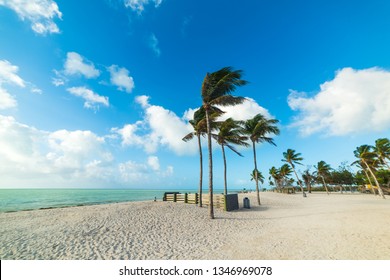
<point x="98" y="94"/>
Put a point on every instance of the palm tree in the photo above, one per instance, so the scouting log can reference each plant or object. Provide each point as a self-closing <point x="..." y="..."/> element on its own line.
<point x="308" y="179"/>
<point x="293" y="158"/>
<point x="199" y="126"/>
<point x="367" y="158"/>
<point x="260" y="176"/>
<point x="216" y="89"/>
<point x="259" y="129"/>
<point x="275" y="175"/>
<point x="322" y="171"/>
<point x="230" y="132"/>
<point x="284" y="171"/>
<point x="382" y="151"/>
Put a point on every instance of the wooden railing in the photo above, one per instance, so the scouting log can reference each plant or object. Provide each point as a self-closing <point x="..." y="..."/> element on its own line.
<point x="193" y="198"/>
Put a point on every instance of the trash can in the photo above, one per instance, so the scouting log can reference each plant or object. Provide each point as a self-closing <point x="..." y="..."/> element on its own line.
<point x="247" y="203"/>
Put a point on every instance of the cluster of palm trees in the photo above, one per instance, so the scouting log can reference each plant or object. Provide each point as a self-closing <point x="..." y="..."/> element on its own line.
<point x="372" y="160"/>
<point x="216" y="91"/>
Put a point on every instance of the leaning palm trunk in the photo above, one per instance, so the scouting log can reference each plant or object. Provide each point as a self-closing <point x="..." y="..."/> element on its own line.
<point x="201" y="171"/>
<point x="376" y="181"/>
<point x="299" y="182"/>
<point x="256" y="175"/>
<point x="326" y="187"/>
<point x="224" y="170"/>
<point x="211" y="205"/>
<point x="369" y="180"/>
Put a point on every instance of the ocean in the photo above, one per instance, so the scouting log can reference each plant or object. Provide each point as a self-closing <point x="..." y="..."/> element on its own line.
<point x="31" y="199"/>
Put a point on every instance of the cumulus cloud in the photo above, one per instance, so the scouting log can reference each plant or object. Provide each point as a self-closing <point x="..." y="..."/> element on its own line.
<point x="244" y="111"/>
<point x="65" y="157"/>
<point x="75" y="64"/>
<point x="6" y="100"/>
<point x="159" y="128"/>
<point x="139" y="5"/>
<point x="153" y="44"/>
<point x="154" y="163"/>
<point x="8" y="75"/>
<point x="92" y="99"/>
<point x="41" y="13"/>
<point x="355" y="101"/>
<point x="120" y="77"/>
<point x="142" y="172"/>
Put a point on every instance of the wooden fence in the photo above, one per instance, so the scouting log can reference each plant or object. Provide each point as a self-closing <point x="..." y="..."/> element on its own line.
<point x="193" y="198"/>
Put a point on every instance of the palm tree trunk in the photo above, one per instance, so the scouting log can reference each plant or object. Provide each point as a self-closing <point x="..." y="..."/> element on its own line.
<point x="211" y="203"/>
<point x="224" y="170"/>
<point x="369" y="180"/>
<point x="201" y="171"/>
<point x="376" y="181"/>
<point x="326" y="187"/>
<point x="256" y="178"/>
<point x="299" y="182"/>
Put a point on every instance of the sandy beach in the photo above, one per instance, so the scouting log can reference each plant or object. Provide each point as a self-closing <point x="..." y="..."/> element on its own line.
<point x="285" y="227"/>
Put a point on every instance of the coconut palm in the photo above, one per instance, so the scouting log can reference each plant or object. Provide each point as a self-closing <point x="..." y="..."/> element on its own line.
<point x="216" y="90"/>
<point x="308" y="177"/>
<point x="292" y="158"/>
<point x="275" y="176"/>
<point x="367" y="158"/>
<point x="322" y="171"/>
<point x="382" y="151"/>
<point x="229" y="134"/>
<point x="284" y="172"/>
<point x="259" y="129"/>
<point x="260" y="176"/>
<point x="199" y="125"/>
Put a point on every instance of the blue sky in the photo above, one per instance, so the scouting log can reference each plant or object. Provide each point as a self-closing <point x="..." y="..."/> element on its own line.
<point x="99" y="93"/>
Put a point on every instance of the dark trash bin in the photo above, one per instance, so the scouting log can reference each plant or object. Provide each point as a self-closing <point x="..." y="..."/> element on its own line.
<point x="247" y="203"/>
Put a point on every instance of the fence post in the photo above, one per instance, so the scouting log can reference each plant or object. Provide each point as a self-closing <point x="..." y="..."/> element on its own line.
<point x="174" y="197"/>
<point x="196" y="198"/>
<point x="186" y="198"/>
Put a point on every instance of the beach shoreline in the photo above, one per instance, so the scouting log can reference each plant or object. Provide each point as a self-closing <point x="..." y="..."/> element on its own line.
<point x="285" y="227"/>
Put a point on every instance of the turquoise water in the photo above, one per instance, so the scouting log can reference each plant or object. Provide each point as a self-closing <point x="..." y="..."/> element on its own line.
<point x="30" y="199"/>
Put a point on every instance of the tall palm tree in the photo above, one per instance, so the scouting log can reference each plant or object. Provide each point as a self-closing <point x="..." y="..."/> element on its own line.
<point x="382" y="151"/>
<point x="367" y="157"/>
<point x="216" y="90"/>
<point x="259" y="129"/>
<point x="199" y="125"/>
<point x="230" y="132"/>
<point x="322" y="171"/>
<point x="292" y="158"/>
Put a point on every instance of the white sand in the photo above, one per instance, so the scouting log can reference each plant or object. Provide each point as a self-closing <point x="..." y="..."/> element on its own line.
<point x="338" y="226"/>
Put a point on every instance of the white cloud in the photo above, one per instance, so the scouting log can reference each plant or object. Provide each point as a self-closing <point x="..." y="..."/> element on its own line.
<point x="139" y="5"/>
<point x="244" y="111"/>
<point x="41" y="13"/>
<point x="92" y="99"/>
<point x="66" y="158"/>
<point x="355" y="101"/>
<point x="159" y="128"/>
<point x="6" y="100"/>
<point x="153" y="44"/>
<point x="8" y="74"/>
<point x="75" y="64"/>
<point x="120" y="78"/>
<point x="154" y="163"/>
